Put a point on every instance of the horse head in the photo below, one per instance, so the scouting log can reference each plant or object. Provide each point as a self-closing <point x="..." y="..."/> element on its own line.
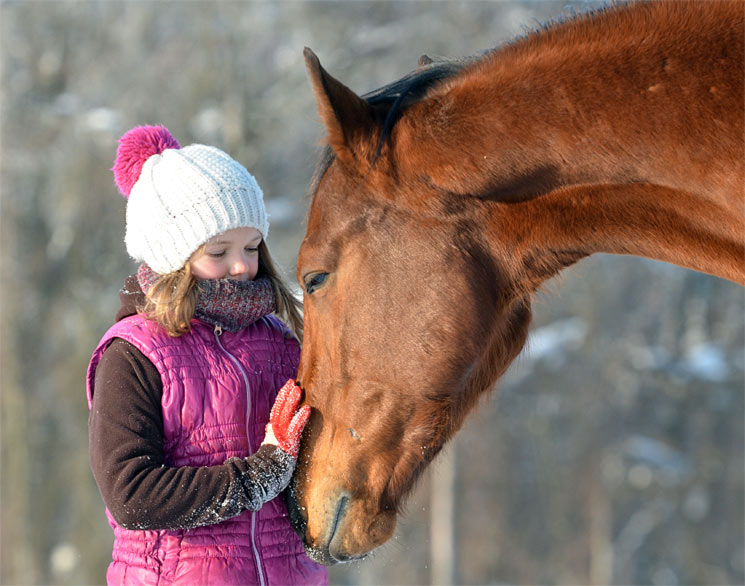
<point x="409" y="317"/>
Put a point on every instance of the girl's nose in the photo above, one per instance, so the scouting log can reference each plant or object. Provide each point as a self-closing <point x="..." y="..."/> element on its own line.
<point x="240" y="266"/>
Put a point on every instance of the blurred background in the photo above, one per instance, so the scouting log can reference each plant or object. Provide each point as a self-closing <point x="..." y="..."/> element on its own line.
<point x="611" y="453"/>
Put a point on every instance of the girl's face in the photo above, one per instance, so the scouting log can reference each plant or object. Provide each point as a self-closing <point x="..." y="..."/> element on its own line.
<point x="234" y="254"/>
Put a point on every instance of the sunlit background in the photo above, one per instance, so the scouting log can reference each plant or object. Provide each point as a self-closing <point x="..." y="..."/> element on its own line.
<point x="611" y="453"/>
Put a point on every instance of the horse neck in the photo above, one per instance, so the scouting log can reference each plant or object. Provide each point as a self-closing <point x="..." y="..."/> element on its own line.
<point x="631" y="146"/>
<point x="548" y="233"/>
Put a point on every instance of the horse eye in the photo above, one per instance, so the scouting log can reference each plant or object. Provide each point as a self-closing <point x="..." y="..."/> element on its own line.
<point x="314" y="281"/>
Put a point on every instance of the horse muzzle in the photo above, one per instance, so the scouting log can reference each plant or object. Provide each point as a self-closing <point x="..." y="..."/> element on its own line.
<point x="338" y="531"/>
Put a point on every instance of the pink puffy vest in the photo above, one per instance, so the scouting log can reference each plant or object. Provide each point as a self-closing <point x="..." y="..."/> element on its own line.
<point x="217" y="394"/>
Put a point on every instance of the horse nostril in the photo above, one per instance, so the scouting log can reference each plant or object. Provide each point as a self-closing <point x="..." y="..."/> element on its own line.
<point x="341" y="510"/>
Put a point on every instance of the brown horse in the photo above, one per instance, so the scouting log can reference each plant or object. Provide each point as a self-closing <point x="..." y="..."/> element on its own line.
<point x="447" y="198"/>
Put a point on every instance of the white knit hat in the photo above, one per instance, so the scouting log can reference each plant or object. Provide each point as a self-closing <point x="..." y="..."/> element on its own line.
<point x="179" y="198"/>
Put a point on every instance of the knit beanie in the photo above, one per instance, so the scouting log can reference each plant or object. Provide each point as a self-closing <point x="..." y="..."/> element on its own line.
<point x="179" y="198"/>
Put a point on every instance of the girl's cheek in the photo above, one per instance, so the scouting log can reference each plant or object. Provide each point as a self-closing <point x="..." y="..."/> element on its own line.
<point x="206" y="268"/>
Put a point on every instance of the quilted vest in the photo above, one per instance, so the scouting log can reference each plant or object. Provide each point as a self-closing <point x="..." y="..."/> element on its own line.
<point x="218" y="389"/>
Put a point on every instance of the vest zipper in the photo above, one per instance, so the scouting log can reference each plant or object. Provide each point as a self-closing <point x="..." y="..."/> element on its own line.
<point x="218" y="333"/>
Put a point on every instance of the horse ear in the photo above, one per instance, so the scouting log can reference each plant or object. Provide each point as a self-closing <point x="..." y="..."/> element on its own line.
<point x="348" y="118"/>
<point x="424" y="60"/>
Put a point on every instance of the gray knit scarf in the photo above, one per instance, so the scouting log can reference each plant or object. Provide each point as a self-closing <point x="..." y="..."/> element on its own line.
<point x="227" y="303"/>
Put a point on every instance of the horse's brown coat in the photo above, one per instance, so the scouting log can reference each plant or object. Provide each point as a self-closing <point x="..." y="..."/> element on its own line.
<point x="617" y="132"/>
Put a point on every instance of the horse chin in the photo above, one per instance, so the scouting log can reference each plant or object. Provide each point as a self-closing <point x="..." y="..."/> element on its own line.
<point x="320" y="556"/>
<point x="325" y="557"/>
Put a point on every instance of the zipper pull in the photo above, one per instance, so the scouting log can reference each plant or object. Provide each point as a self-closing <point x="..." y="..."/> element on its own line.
<point x="218" y="331"/>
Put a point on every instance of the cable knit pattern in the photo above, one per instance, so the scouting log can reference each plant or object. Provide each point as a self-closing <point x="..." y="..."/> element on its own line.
<point x="183" y="198"/>
<point x="209" y="416"/>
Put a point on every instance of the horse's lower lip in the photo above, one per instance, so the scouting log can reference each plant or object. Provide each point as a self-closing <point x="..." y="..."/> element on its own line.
<point x="320" y="556"/>
<point x="326" y="558"/>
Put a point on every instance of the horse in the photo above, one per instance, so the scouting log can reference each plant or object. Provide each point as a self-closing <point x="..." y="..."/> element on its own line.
<point x="444" y="200"/>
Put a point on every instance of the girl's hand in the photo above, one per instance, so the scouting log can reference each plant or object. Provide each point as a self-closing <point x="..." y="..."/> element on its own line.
<point x="286" y="421"/>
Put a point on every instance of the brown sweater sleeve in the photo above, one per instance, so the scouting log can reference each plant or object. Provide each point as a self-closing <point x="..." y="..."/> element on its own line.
<point x="127" y="459"/>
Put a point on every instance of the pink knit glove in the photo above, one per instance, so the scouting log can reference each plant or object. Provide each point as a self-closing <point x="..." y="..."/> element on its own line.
<point x="286" y="421"/>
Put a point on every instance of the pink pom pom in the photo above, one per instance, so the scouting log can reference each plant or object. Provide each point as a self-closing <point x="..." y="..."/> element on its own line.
<point x="136" y="147"/>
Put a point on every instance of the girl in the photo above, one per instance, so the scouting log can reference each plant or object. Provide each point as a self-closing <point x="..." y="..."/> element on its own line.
<point x="180" y="388"/>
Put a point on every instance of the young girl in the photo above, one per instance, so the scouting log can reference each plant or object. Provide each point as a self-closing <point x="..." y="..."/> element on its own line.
<point x="180" y="388"/>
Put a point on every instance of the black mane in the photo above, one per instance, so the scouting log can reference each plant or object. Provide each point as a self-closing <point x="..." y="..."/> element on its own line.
<point x="412" y="86"/>
<point x="410" y="89"/>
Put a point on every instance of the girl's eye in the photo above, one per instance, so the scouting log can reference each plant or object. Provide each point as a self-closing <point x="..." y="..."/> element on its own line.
<point x="251" y="249"/>
<point x="216" y="254"/>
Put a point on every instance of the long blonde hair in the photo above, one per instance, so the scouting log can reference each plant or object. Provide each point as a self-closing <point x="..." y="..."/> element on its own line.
<point x="172" y="300"/>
